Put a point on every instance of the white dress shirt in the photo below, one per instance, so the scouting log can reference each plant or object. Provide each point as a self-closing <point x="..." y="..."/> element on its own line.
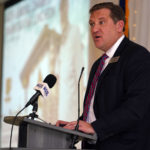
<point x="110" y="53"/>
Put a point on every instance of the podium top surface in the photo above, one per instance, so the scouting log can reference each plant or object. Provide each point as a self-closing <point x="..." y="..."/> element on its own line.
<point x="34" y="149"/>
<point x="60" y="129"/>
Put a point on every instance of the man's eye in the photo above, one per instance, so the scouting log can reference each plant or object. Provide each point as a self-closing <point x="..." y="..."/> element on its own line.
<point x="92" y="24"/>
<point x="101" y="22"/>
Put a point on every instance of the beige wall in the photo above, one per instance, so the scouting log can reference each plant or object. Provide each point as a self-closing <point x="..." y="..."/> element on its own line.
<point x="1" y="41"/>
<point x="1" y="37"/>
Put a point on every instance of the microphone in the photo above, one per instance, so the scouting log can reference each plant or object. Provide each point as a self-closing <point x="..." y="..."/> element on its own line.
<point x="75" y="137"/>
<point x="42" y="89"/>
<point x="77" y="125"/>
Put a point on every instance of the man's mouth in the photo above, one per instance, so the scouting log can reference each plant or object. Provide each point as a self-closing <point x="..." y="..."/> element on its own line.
<point x="97" y="37"/>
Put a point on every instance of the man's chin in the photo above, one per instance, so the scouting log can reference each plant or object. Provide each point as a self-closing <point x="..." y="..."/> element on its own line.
<point x="98" y="46"/>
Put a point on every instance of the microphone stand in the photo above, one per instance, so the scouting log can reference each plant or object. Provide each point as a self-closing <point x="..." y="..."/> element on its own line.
<point x="74" y="140"/>
<point x="33" y="115"/>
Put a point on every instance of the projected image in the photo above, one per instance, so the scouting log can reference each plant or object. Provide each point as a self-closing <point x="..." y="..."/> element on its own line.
<point x="41" y="38"/>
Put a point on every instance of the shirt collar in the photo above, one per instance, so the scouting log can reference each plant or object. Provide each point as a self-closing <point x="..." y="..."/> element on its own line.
<point x="113" y="49"/>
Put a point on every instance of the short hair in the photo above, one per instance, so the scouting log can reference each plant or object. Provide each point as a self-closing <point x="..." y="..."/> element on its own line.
<point x="116" y="12"/>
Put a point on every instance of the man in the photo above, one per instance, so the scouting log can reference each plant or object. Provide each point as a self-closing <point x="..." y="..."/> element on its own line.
<point x="119" y="107"/>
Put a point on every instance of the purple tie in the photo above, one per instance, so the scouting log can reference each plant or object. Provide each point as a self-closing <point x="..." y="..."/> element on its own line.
<point x="92" y="87"/>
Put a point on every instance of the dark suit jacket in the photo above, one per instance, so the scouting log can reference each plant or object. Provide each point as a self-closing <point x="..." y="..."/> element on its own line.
<point x="122" y="100"/>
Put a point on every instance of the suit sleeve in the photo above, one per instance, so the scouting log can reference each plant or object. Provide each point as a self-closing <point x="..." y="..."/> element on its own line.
<point x="135" y="104"/>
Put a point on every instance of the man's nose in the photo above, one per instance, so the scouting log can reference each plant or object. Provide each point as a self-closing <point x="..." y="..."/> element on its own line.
<point x="95" y="28"/>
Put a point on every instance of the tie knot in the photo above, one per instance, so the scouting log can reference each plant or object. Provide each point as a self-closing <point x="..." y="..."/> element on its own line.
<point x="104" y="56"/>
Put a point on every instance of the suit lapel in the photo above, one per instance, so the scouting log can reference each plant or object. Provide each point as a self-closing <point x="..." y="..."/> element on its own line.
<point x="115" y="59"/>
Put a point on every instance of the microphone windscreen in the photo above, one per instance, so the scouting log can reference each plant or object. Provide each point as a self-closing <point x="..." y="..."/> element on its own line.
<point x="50" y="80"/>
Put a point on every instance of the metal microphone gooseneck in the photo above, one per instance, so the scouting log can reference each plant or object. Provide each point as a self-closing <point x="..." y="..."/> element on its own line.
<point x="77" y="125"/>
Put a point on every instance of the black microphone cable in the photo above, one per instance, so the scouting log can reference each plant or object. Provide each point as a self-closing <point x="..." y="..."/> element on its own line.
<point x="13" y="126"/>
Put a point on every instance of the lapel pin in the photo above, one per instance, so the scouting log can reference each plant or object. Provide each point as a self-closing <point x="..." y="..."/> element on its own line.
<point x="114" y="59"/>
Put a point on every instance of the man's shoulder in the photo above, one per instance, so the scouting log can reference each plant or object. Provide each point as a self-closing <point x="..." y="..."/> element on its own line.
<point x="134" y="45"/>
<point x="133" y="48"/>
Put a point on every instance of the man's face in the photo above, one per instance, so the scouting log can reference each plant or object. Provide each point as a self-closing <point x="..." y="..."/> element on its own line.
<point x="103" y="29"/>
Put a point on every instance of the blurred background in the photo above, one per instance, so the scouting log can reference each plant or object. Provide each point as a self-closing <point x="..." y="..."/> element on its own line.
<point x="41" y="37"/>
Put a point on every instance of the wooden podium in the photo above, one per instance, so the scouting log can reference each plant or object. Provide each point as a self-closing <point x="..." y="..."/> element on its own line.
<point x="34" y="134"/>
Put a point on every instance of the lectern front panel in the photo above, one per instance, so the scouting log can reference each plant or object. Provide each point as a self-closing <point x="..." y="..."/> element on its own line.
<point x="35" y="136"/>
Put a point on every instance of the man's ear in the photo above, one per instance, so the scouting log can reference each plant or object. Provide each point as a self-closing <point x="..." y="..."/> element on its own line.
<point x="120" y="25"/>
